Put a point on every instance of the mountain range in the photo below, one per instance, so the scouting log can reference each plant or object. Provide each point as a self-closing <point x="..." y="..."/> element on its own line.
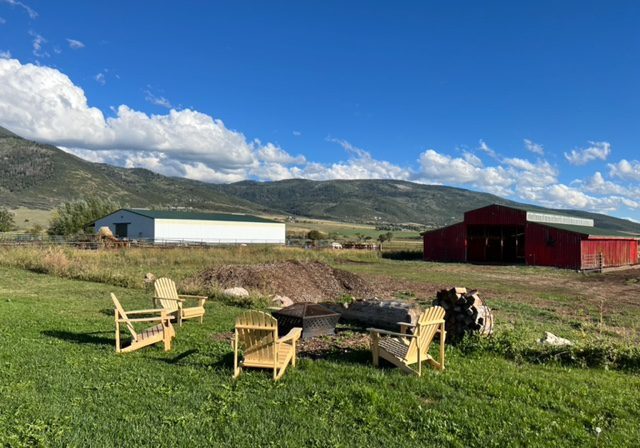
<point x="41" y="176"/>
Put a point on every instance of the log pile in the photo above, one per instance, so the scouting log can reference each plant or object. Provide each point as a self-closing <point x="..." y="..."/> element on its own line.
<point x="465" y="312"/>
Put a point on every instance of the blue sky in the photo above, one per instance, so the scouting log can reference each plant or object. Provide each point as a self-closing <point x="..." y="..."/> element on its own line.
<point x="535" y="101"/>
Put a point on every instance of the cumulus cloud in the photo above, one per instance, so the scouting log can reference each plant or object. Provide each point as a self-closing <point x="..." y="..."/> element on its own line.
<point x="5" y="54"/>
<point x="625" y="170"/>
<point x="533" y="147"/>
<point x="42" y="103"/>
<point x="273" y="154"/>
<point x="75" y="44"/>
<point x="30" y="11"/>
<point x="596" y="151"/>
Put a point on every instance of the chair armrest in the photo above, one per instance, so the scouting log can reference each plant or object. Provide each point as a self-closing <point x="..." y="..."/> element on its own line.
<point x="406" y="324"/>
<point x="293" y="335"/>
<point x="146" y="319"/>
<point x="188" y="296"/>
<point x="391" y="333"/>
<point x="149" y="311"/>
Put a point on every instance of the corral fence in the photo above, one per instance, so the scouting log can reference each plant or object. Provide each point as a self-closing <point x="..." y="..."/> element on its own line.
<point x="27" y="240"/>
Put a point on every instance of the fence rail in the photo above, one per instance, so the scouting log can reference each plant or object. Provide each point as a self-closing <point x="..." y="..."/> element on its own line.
<point x="25" y="240"/>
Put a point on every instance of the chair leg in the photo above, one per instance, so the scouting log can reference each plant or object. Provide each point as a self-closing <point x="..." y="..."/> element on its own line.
<point x="117" y="334"/>
<point x="375" y="350"/>
<point x="443" y="335"/>
<point x="293" y="360"/>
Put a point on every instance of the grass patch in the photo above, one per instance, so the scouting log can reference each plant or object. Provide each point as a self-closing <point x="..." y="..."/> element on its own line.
<point x="63" y="385"/>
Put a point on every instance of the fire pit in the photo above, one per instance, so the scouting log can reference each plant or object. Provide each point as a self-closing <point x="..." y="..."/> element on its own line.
<point x="315" y="320"/>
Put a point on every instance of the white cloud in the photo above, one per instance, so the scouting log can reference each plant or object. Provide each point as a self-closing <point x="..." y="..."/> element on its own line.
<point x="296" y="133"/>
<point x="157" y="100"/>
<point x="100" y="78"/>
<point x="533" y="147"/>
<point x="5" y="54"/>
<point x="472" y="159"/>
<point x="2" y="21"/>
<point x="625" y="170"/>
<point x="38" y="44"/>
<point x="596" y="151"/>
<point x="32" y="14"/>
<point x="444" y="169"/>
<point x="273" y="154"/>
<point x="75" y="44"/>
<point x="487" y="150"/>
<point x="42" y="103"/>
<point x="597" y="184"/>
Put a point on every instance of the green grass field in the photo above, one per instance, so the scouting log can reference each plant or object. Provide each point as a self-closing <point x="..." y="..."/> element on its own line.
<point x="62" y="384"/>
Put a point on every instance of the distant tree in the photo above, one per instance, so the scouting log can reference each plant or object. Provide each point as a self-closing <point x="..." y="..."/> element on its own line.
<point x="36" y="230"/>
<point x="7" y="222"/>
<point x="360" y="236"/>
<point x="72" y="217"/>
<point x="333" y="235"/>
<point x="316" y="235"/>
<point x="383" y="237"/>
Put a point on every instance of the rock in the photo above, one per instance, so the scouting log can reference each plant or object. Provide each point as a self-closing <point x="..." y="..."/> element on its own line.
<point x="236" y="292"/>
<point x="149" y="278"/>
<point x="282" y="301"/>
<point x="553" y="340"/>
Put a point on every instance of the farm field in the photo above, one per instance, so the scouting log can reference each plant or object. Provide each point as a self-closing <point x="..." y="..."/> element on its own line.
<point x="63" y="385"/>
<point x="348" y="230"/>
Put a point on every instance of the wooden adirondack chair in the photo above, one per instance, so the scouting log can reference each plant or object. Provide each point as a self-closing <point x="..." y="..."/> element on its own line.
<point x="168" y="298"/>
<point x="257" y="334"/>
<point x="404" y="349"/>
<point x="162" y="332"/>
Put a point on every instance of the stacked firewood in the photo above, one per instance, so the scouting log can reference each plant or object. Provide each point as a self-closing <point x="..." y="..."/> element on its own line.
<point x="465" y="312"/>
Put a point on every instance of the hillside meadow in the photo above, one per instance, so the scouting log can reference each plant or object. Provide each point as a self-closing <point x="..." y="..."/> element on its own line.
<point x="63" y="385"/>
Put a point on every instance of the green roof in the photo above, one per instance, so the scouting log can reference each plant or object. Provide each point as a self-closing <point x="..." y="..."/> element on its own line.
<point x="590" y="231"/>
<point x="171" y="214"/>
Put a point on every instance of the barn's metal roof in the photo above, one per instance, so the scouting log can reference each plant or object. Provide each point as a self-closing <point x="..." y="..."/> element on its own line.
<point x="590" y="231"/>
<point x="172" y="214"/>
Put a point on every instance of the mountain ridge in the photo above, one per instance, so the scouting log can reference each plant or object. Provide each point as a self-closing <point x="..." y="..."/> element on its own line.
<point x="42" y="176"/>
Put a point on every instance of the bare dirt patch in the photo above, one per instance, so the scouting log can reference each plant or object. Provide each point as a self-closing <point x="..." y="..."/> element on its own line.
<point x="300" y="281"/>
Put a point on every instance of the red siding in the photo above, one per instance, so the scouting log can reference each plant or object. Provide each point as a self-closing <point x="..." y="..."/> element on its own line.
<point x="496" y="215"/>
<point x="546" y="246"/>
<point x="615" y="252"/>
<point x="447" y="244"/>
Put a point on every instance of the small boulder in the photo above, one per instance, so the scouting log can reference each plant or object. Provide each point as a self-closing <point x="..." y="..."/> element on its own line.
<point x="282" y="301"/>
<point x="236" y="292"/>
<point x="553" y="340"/>
<point x="149" y="278"/>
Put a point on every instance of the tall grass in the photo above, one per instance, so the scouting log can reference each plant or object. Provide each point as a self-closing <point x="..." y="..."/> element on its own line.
<point x="127" y="267"/>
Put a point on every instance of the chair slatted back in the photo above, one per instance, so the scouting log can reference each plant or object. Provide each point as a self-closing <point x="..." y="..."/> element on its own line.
<point x="257" y="335"/>
<point x="166" y="289"/>
<point x="426" y="328"/>
<point x="122" y="314"/>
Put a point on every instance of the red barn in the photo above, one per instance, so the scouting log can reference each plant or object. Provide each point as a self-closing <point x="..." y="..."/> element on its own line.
<point x="501" y="234"/>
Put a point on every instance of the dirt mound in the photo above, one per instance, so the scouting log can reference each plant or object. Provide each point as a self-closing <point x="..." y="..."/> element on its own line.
<point x="300" y="281"/>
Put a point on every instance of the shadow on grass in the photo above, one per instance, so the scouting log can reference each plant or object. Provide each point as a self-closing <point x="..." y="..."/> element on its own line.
<point x="81" y="338"/>
<point x="176" y="359"/>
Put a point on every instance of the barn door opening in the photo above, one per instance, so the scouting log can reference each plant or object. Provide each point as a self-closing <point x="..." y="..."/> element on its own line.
<point x="122" y="230"/>
<point x="495" y="244"/>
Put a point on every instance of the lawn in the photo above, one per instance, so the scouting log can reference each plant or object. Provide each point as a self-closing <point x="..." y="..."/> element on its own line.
<point x="62" y="384"/>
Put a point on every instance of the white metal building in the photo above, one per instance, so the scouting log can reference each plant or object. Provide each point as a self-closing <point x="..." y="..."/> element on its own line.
<point x="162" y="226"/>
